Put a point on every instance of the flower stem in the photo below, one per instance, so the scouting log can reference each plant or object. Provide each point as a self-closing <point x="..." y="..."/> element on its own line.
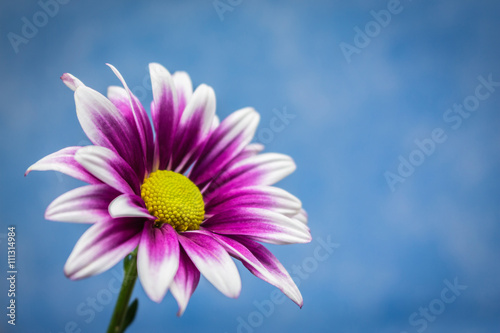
<point x="117" y="322"/>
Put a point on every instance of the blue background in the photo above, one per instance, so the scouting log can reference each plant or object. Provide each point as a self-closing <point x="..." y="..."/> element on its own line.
<point x="353" y="121"/>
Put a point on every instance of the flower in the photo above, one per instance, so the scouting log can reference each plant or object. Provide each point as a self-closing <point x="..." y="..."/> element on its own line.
<point x="189" y="195"/>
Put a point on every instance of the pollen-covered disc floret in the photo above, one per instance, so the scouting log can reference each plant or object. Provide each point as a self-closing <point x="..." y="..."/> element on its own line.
<point x="173" y="199"/>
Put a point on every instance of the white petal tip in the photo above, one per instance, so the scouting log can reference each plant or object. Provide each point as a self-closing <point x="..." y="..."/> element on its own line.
<point x="155" y="67"/>
<point x="71" y="81"/>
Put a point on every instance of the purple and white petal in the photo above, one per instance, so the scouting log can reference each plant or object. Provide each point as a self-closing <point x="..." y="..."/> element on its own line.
<point x="137" y="118"/>
<point x="157" y="259"/>
<point x="262" y="263"/>
<point x="259" y="224"/>
<point x="102" y="246"/>
<point x="184" y="89"/>
<point x="224" y="144"/>
<point x="212" y="261"/>
<point x="129" y="205"/>
<point x="164" y="111"/>
<point x="106" y="126"/>
<point x="185" y="281"/>
<point x="64" y="161"/>
<point x="86" y="204"/>
<point x="215" y="123"/>
<point x="262" y="169"/>
<point x="71" y="81"/>
<point x="194" y="126"/>
<point x="267" y="197"/>
<point x="108" y="167"/>
<point x="249" y="151"/>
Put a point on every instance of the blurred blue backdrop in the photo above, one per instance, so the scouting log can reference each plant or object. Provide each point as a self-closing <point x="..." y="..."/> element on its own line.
<point x="366" y="84"/>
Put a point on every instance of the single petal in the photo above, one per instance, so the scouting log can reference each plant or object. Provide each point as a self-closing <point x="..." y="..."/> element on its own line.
<point x="86" y="204"/>
<point x="268" y="197"/>
<point x="71" y="82"/>
<point x="263" y="169"/>
<point x="212" y="261"/>
<point x="105" y="126"/>
<point x="224" y="144"/>
<point x="108" y="167"/>
<point x="259" y="224"/>
<point x="129" y="205"/>
<point x="164" y="111"/>
<point x="262" y="263"/>
<point x="64" y="161"/>
<point x="137" y="118"/>
<point x="157" y="259"/>
<point x="194" y="126"/>
<point x="185" y="281"/>
<point x="184" y="89"/>
<point x="102" y="246"/>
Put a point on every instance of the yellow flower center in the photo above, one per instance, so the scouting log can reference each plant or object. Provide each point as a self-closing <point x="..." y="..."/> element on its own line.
<point x="173" y="199"/>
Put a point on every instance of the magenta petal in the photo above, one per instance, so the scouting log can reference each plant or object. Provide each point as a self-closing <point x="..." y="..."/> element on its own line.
<point x="277" y="274"/>
<point x="129" y="205"/>
<point x="247" y="152"/>
<point x="157" y="259"/>
<point x="185" y="281"/>
<point x="102" y="246"/>
<point x="108" y="167"/>
<point x="224" y="143"/>
<point x="262" y="263"/>
<point x="86" y="204"/>
<point x="212" y="261"/>
<point x="259" y="224"/>
<point x="107" y="127"/>
<point x="137" y="118"/>
<point x="184" y="89"/>
<point x="263" y="169"/>
<point x="164" y="112"/>
<point x="194" y="126"/>
<point x="268" y="197"/>
<point x="64" y="161"/>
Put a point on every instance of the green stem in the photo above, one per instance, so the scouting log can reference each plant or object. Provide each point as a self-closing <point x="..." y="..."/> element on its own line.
<point x="130" y="276"/>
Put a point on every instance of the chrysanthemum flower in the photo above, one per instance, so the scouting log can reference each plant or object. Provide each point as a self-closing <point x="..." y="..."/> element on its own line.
<point x="189" y="195"/>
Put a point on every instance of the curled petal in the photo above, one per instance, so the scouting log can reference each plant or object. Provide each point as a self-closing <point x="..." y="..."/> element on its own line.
<point x="64" y="161"/>
<point x="71" y="82"/>
<point x="129" y="205"/>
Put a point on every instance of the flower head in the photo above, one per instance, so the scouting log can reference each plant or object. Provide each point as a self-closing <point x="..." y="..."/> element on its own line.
<point x="189" y="191"/>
